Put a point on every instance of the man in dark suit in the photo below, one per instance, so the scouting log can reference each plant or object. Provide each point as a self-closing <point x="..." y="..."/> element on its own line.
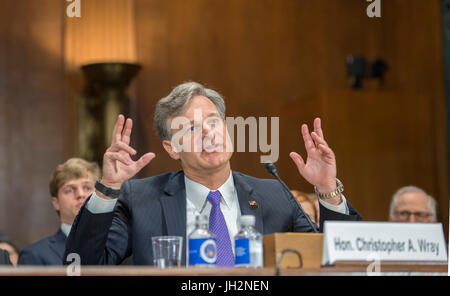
<point x="122" y="215"/>
<point x="70" y="184"/>
<point x="4" y="258"/>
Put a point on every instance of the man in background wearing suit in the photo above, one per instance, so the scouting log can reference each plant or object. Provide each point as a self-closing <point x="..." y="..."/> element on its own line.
<point x="70" y="184"/>
<point x="122" y="215"/>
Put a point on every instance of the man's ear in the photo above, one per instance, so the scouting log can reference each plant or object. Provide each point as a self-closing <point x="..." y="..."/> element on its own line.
<point x="55" y="203"/>
<point x="168" y="147"/>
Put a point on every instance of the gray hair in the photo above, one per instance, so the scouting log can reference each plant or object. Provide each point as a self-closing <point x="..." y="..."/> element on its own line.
<point x="175" y="103"/>
<point x="432" y="205"/>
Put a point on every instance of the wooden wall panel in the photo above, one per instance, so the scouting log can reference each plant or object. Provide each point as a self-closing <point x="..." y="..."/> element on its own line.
<point x="32" y="122"/>
<point x="376" y="152"/>
<point x="262" y="55"/>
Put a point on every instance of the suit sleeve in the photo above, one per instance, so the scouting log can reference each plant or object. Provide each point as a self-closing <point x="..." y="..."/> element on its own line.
<point x="29" y="257"/>
<point x="4" y="258"/>
<point x="301" y="224"/>
<point x="102" y="238"/>
<point x="328" y="215"/>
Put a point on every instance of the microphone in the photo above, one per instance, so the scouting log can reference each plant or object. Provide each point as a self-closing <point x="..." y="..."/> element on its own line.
<point x="272" y="169"/>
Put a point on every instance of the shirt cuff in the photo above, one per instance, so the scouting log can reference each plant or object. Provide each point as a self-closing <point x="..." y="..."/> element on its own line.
<point x="340" y="208"/>
<point x="98" y="205"/>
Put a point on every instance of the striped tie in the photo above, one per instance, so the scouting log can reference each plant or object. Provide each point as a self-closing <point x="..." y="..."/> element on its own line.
<point x="218" y="226"/>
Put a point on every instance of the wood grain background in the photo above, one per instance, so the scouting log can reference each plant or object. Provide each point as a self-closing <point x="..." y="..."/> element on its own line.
<point x="282" y="58"/>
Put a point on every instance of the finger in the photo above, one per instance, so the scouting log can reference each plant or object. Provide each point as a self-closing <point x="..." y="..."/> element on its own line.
<point x="144" y="160"/>
<point x="121" y="146"/>
<point x="116" y="135"/>
<point x="318" y="140"/>
<point x="326" y="150"/>
<point x="126" y="134"/>
<point x="298" y="160"/>
<point x="117" y="156"/>
<point x="309" y="144"/>
<point x="318" y="127"/>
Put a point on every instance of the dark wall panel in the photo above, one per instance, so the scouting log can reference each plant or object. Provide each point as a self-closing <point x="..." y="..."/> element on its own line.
<point x="32" y="121"/>
<point x="265" y="56"/>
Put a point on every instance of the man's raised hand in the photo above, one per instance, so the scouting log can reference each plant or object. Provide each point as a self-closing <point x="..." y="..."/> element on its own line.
<point x="118" y="166"/>
<point x="320" y="166"/>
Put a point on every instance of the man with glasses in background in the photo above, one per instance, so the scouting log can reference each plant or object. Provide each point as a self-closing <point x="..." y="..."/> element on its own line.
<point x="412" y="204"/>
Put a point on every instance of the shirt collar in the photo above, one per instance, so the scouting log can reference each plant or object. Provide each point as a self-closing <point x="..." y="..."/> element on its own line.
<point x="197" y="193"/>
<point x="65" y="228"/>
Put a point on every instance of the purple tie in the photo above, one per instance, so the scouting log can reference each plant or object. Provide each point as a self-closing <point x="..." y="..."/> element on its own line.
<point x="218" y="226"/>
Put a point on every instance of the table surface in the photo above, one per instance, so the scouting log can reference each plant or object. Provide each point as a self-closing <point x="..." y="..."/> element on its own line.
<point x="341" y="268"/>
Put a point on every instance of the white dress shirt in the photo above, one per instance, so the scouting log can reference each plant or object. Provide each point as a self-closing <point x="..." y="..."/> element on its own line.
<point x="197" y="204"/>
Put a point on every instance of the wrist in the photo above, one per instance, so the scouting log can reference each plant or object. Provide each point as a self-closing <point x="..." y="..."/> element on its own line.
<point x="327" y="187"/>
<point x="105" y="191"/>
<point x="115" y="186"/>
<point x="336" y="201"/>
<point x="330" y="192"/>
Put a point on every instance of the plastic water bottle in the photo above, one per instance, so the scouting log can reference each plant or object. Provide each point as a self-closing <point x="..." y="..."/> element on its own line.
<point x="202" y="244"/>
<point x="248" y="244"/>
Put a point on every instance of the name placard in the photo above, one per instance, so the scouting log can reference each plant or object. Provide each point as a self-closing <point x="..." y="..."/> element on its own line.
<point x="383" y="241"/>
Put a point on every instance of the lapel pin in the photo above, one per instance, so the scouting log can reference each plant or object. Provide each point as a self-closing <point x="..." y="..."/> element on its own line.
<point x="253" y="205"/>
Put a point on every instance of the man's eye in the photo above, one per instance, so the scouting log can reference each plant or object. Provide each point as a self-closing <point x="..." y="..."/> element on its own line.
<point x="87" y="188"/>
<point x="193" y="128"/>
<point x="67" y="191"/>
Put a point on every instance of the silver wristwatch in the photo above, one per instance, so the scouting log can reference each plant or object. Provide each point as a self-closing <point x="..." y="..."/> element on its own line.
<point x="339" y="189"/>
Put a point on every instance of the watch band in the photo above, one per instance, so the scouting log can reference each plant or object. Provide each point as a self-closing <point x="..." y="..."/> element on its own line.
<point x="339" y="189"/>
<point x="114" y="193"/>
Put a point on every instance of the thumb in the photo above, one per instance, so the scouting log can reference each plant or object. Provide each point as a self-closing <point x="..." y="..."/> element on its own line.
<point x="298" y="160"/>
<point x="144" y="160"/>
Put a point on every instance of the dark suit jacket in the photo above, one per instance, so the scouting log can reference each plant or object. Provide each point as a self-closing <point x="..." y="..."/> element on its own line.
<point x="4" y="257"/>
<point x="157" y="206"/>
<point x="48" y="251"/>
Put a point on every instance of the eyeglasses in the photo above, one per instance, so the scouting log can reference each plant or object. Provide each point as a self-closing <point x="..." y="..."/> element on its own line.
<point x="419" y="216"/>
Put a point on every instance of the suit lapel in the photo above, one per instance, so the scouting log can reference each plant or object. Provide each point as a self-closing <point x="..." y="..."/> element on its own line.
<point x="58" y="243"/>
<point x="174" y="208"/>
<point x="249" y="203"/>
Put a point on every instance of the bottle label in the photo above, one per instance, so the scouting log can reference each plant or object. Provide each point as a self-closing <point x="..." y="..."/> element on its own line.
<point x="202" y="251"/>
<point x="242" y="246"/>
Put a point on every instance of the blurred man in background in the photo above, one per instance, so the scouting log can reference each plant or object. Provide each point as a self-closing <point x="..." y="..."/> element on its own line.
<point x="7" y="244"/>
<point x="412" y="204"/>
<point x="309" y="203"/>
<point x="70" y="184"/>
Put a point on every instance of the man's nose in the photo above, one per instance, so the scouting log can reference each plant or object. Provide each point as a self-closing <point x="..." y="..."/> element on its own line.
<point x="206" y="127"/>
<point x="207" y="130"/>
<point x="412" y="218"/>
<point x="81" y="194"/>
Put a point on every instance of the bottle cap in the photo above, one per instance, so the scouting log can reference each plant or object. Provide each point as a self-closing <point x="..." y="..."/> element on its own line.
<point x="248" y="220"/>
<point x="201" y="219"/>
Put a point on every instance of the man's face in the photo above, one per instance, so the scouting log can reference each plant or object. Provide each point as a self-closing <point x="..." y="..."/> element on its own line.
<point x="202" y="135"/>
<point x="412" y="207"/>
<point x="71" y="197"/>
